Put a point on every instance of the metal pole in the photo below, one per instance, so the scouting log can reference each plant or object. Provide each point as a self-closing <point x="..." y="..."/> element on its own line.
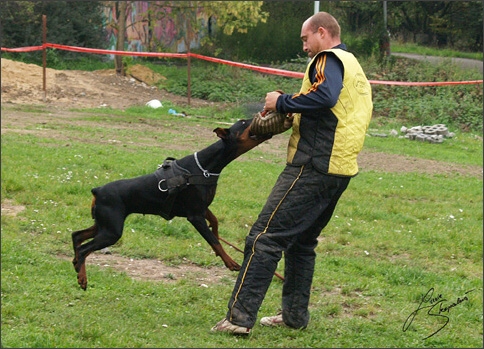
<point x="189" y="83"/>
<point x="316" y="7"/>
<point x="385" y="15"/>
<point x="44" y="55"/>
<point x="385" y="24"/>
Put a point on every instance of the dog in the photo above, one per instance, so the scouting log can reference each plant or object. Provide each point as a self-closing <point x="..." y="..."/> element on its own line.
<point x="178" y="188"/>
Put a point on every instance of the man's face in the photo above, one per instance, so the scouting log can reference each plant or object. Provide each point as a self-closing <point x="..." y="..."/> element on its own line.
<point x="312" y="41"/>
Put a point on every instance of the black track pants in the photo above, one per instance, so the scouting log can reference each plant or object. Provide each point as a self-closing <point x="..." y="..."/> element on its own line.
<point x="298" y="208"/>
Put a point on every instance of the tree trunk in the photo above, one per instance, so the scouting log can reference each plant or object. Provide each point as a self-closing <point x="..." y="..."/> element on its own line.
<point x="118" y="59"/>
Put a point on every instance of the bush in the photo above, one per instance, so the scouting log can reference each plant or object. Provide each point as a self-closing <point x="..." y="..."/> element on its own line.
<point x="458" y="106"/>
<point x="222" y="83"/>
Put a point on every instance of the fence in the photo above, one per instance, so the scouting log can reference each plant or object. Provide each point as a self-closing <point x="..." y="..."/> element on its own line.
<point x="264" y="70"/>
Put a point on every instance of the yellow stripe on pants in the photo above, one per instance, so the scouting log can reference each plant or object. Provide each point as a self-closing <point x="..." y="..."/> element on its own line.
<point x="260" y="234"/>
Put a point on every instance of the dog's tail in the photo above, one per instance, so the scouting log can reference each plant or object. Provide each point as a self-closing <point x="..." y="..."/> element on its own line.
<point x="93" y="203"/>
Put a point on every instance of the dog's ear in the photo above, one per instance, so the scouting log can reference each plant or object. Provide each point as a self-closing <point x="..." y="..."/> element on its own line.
<point x="222" y="132"/>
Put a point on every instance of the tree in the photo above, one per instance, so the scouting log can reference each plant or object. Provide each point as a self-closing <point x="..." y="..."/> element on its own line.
<point x="455" y="24"/>
<point x="17" y="21"/>
<point x="235" y="15"/>
<point x="76" y="23"/>
<point x="362" y="26"/>
<point x="230" y="16"/>
<point x="276" y="39"/>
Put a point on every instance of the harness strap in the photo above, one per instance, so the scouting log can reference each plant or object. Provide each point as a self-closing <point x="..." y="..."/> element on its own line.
<point x="172" y="178"/>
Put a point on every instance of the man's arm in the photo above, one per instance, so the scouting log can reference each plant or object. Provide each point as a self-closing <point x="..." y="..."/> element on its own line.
<point x="327" y="78"/>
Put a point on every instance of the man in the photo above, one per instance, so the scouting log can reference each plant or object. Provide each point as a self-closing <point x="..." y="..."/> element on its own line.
<point x="334" y="108"/>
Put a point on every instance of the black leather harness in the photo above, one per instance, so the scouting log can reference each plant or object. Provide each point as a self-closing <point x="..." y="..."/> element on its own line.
<point x="172" y="179"/>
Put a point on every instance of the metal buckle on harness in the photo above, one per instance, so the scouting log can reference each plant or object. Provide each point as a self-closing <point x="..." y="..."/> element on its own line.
<point x="159" y="187"/>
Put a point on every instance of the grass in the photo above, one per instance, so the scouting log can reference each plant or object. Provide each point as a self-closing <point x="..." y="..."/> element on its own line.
<point x="464" y="148"/>
<point x="393" y="238"/>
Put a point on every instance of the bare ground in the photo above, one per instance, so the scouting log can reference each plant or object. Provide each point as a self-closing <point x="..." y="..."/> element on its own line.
<point x="22" y="84"/>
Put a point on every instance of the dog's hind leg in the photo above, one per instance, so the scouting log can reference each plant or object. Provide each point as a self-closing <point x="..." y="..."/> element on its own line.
<point x="78" y="237"/>
<point x="101" y="240"/>
<point x="106" y="232"/>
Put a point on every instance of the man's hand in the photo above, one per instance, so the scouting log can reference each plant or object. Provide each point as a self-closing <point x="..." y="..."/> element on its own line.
<point x="271" y="100"/>
<point x="289" y="120"/>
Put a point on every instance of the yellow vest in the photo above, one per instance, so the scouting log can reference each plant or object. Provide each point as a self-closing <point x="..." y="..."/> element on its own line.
<point x="332" y="144"/>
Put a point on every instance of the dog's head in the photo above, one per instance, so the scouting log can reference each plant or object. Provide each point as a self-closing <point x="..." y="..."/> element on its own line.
<point x="240" y="131"/>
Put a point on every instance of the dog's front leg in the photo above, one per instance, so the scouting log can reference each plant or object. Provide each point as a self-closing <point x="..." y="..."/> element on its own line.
<point x="200" y="224"/>
<point x="212" y="222"/>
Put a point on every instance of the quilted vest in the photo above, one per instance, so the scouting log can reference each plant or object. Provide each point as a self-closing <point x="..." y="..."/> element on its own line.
<point x="333" y="137"/>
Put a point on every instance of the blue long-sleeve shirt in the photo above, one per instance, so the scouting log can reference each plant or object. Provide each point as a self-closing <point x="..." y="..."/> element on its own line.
<point x="326" y="93"/>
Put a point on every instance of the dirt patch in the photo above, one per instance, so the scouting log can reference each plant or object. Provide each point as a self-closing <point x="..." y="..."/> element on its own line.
<point x="399" y="163"/>
<point x="146" y="75"/>
<point x="155" y="270"/>
<point x="10" y="209"/>
<point x="22" y="84"/>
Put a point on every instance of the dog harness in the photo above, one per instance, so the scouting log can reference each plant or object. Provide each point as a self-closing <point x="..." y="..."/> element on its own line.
<point x="172" y="178"/>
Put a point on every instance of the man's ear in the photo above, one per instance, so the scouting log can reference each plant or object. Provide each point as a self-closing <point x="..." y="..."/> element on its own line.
<point x="222" y="132"/>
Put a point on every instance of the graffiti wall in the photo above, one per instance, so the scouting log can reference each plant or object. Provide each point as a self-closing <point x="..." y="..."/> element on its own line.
<point x="153" y="27"/>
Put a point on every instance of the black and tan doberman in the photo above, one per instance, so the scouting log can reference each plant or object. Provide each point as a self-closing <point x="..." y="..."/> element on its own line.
<point x="179" y="188"/>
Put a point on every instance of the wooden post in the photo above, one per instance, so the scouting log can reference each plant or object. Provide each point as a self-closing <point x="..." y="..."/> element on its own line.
<point x="44" y="56"/>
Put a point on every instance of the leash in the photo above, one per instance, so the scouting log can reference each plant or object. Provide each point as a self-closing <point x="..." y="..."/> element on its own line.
<point x="238" y="249"/>
<point x="206" y="174"/>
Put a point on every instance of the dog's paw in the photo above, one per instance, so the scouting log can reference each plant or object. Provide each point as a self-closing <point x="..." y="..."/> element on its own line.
<point x="82" y="281"/>
<point x="234" y="267"/>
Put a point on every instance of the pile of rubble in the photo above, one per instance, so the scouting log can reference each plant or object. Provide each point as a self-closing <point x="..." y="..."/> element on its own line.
<point x="431" y="134"/>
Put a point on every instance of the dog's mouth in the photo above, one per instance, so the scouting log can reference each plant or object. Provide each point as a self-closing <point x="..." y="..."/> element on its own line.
<point x="257" y="137"/>
<point x="261" y="138"/>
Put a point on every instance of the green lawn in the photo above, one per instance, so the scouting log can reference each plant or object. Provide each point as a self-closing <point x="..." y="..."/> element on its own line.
<point x="400" y="261"/>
